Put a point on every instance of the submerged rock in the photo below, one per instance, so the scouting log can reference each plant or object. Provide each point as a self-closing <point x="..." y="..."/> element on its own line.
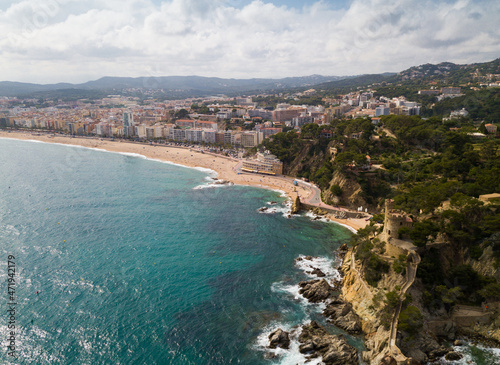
<point x="318" y="273"/>
<point x="279" y="338"/>
<point x="315" y="290"/>
<point x="223" y="182"/>
<point x="334" y="350"/>
<point x="437" y="353"/>
<point x="453" y="356"/>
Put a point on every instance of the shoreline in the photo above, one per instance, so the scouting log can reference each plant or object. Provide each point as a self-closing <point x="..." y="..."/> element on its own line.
<point x="224" y="167"/>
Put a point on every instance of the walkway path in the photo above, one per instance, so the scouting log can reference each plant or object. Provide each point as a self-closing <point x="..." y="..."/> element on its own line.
<point x="314" y="193"/>
<point x="411" y="273"/>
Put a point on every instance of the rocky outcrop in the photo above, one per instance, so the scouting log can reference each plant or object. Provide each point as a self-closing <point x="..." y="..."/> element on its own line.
<point x="486" y="264"/>
<point x="315" y="291"/>
<point x="421" y="348"/>
<point x="341" y="314"/>
<point x="223" y="182"/>
<point x="351" y="190"/>
<point x="315" y="341"/>
<point x="318" y="273"/>
<point x="376" y="343"/>
<point x="296" y="205"/>
<point x="315" y="271"/>
<point x="279" y="338"/>
<point x="453" y="356"/>
<point x="319" y="211"/>
<point x="342" y="251"/>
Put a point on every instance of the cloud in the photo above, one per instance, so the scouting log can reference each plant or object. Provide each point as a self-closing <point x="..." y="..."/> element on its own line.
<point x="73" y="40"/>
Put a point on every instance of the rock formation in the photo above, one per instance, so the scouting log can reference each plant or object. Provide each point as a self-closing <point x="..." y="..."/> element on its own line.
<point x="315" y="290"/>
<point x="279" y="338"/>
<point x="341" y="314"/>
<point x="315" y="341"/>
<point x="296" y="205"/>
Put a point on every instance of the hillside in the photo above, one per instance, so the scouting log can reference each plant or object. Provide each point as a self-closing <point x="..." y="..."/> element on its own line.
<point x="182" y="86"/>
<point x="410" y="283"/>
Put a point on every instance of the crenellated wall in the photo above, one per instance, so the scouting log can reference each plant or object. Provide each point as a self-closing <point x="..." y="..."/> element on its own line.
<point x="394" y="220"/>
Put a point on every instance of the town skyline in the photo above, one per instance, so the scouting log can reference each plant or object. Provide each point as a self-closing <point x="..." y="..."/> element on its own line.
<point x="76" y="41"/>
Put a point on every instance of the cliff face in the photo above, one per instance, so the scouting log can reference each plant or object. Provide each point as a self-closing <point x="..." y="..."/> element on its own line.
<point x="357" y="292"/>
<point x="379" y="321"/>
<point x="310" y="159"/>
<point x="366" y="302"/>
<point x="379" y="318"/>
<point x="351" y="191"/>
<point x="486" y="264"/>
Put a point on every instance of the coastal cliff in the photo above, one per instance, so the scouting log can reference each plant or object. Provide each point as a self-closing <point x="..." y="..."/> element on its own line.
<point x="379" y="308"/>
<point x="399" y="324"/>
<point x="357" y="292"/>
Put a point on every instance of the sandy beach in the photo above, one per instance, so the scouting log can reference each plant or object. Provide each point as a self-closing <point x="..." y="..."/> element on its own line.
<point x="225" y="167"/>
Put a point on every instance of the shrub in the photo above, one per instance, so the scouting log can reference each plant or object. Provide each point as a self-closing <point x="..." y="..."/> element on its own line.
<point x="475" y="252"/>
<point x="410" y="320"/>
<point x="490" y="292"/>
<point x="374" y="268"/>
<point x="336" y="190"/>
<point x="399" y="265"/>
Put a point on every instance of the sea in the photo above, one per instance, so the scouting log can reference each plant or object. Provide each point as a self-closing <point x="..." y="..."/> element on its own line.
<point x="111" y="258"/>
<point x="120" y="259"/>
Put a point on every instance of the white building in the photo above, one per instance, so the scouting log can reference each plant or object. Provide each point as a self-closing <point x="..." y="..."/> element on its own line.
<point x="251" y="139"/>
<point x="140" y="131"/>
<point x="382" y="110"/>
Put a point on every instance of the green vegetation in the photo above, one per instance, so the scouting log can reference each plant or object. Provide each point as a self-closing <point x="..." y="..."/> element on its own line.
<point x="410" y="320"/>
<point x="374" y="266"/>
<point x="399" y="265"/>
<point x="181" y="114"/>
<point x="336" y="190"/>
<point x="435" y="174"/>
<point x="491" y="292"/>
<point x="391" y="301"/>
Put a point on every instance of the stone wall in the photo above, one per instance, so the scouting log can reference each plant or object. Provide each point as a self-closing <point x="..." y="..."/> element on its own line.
<point x="393" y="250"/>
<point x="335" y="211"/>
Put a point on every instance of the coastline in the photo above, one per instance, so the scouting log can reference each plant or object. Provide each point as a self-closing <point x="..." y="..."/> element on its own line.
<point x="224" y="167"/>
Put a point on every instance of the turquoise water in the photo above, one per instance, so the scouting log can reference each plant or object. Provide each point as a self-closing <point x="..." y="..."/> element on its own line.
<point x="136" y="262"/>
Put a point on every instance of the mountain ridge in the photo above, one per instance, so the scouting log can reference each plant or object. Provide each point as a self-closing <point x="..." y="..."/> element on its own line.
<point x="197" y="84"/>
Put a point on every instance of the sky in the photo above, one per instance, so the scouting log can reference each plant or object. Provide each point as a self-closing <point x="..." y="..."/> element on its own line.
<point x="52" y="41"/>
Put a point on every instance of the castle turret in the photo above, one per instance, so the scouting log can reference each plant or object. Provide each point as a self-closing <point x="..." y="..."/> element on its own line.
<point x="394" y="220"/>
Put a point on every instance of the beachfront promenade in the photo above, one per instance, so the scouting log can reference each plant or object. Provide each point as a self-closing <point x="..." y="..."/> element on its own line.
<point x="227" y="168"/>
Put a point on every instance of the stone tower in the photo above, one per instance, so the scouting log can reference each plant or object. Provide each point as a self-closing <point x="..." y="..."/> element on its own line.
<point x="394" y="220"/>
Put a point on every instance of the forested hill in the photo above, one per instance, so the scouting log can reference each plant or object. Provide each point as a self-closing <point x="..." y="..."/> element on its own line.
<point x="410" y="81"/>
<point x="435" y="172"/>
<point x="443" y="175"/>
